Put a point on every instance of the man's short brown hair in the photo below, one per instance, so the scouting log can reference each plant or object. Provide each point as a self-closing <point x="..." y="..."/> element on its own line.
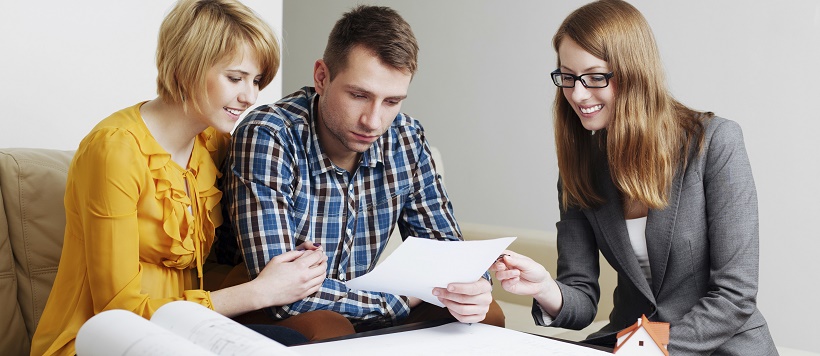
<point x="380" y="30"/>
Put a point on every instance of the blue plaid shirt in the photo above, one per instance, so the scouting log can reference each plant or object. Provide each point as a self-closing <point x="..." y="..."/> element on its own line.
<point x="282" y="190"/>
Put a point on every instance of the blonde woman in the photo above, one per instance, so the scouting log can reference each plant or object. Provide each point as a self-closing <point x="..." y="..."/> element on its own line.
<point x="664" y="192"/>
<point x="141" y="201"/>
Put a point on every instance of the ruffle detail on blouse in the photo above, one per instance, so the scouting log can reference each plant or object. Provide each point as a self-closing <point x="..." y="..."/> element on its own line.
<point x="191" y="241"/>
<point x="215" y="143"/>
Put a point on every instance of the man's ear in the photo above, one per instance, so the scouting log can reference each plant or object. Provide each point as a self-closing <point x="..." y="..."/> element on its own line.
<point x="321" y="76"/>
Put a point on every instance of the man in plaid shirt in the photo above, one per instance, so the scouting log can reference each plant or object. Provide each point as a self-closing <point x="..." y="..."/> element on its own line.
<point x="338" y="165"/>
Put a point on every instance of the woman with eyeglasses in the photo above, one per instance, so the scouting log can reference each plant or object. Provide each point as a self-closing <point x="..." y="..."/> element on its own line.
<point x="663" y="191"/>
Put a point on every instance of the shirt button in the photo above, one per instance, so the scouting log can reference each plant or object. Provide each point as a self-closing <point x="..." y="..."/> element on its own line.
<point x="350" y="232"/>
<point x="342" y="277"/>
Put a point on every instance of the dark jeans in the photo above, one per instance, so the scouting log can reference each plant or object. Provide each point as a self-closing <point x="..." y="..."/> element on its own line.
<point x="280" y="334"/>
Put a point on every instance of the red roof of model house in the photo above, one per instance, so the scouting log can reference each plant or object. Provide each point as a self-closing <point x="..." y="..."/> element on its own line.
<point x="644" y="338"/>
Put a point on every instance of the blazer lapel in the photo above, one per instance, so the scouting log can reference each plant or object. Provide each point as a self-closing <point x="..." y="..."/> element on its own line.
<point x="660" y="227"/>
<point x="610" y="219"/>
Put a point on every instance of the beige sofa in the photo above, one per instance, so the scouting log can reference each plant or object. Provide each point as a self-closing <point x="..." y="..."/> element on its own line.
<point x="32" y="221"/>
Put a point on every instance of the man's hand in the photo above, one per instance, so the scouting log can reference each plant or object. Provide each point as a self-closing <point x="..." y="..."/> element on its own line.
<point x="467" y="302"/>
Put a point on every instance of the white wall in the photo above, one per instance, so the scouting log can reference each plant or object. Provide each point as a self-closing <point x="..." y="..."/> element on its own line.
<point x="484" y="97"/>
<point x="66" y="65"/>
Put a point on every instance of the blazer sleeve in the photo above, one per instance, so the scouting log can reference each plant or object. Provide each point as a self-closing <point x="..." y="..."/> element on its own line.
<point x="732" y="228"/>
<point x="578" y="271"/>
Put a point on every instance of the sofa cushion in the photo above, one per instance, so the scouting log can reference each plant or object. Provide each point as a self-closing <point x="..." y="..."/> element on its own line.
<point x="32" y="224"/>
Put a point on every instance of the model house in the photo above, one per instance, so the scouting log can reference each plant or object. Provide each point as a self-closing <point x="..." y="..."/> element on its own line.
<point x="643" y="338"/>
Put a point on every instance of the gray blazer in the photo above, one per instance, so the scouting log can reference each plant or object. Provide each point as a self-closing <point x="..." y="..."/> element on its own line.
<point x="703" y="255"/>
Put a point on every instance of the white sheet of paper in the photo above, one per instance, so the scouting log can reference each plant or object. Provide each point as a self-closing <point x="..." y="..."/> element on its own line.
<point x="121" y="332"/>
<point x="418" y="265"/>
<point x="451" y="339"/>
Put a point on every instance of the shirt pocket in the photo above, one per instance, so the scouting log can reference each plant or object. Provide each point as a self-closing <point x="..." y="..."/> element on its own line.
<point x="380" y="212"/>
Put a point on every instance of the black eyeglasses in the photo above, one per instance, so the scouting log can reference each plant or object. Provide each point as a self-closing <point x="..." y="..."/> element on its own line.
<point x="589" y="80"/>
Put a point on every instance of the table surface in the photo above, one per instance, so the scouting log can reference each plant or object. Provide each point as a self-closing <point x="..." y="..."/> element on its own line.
<point x="430" y="324"/>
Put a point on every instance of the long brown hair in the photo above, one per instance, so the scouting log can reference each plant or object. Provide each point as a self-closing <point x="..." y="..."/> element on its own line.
<point x="650" y="133"/>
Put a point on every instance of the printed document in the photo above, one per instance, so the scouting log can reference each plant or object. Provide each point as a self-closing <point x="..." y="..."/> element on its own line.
<point x="418" y="265"/>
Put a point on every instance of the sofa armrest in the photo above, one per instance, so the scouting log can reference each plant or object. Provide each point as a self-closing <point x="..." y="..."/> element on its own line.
<point x="32" y="187"/>
<point x="13" y="340"/>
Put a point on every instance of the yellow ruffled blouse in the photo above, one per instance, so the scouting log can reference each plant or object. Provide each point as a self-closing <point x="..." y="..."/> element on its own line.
<point x="133" y="235"/>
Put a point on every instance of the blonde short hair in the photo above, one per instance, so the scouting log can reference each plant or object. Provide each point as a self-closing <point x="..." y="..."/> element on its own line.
<point x="198" y="34"/>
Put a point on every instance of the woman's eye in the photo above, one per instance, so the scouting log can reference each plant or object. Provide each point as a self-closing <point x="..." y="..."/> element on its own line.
<point x="234" y="79"/>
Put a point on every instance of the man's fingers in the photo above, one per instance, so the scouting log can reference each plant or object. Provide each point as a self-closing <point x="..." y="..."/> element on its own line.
<point x="478" y="287"/>
<point x="477" y="299"/>
<point x="466" y="313"/>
